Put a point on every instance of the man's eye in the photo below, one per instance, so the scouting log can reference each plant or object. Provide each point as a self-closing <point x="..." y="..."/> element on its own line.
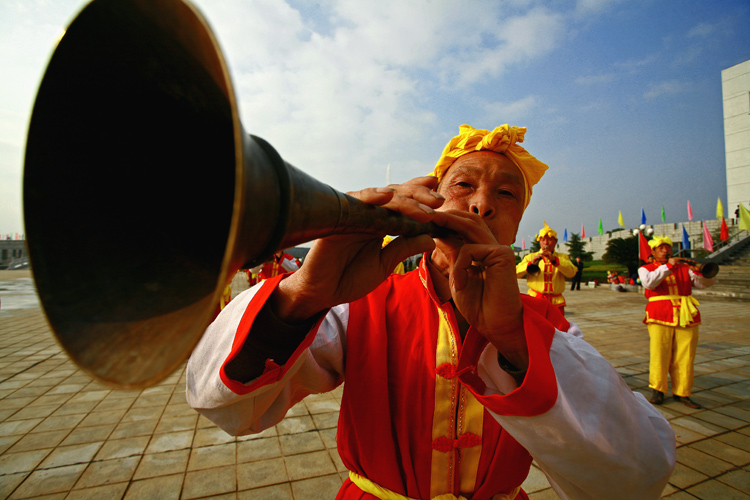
<point x="463" y="184"/>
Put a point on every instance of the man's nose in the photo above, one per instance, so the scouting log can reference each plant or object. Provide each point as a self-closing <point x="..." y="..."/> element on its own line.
<point x="481" y="206"/>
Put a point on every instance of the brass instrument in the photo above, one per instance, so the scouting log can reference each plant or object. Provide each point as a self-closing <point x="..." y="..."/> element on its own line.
<point x="143" y="194"/>
<point x="533" y="270"/>
<point x="707" y="269"/>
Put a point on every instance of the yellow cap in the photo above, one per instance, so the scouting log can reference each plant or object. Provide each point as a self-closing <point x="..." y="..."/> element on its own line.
<point x="502" y="140"/>
<point x="546" y="231"/>
<point x="659" y="240"/>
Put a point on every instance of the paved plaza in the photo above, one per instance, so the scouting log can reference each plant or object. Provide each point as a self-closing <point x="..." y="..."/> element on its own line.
<point x="65" y="436"/>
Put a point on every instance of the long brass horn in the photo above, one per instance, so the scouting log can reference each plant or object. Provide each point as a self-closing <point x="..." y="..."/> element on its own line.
<point x="143" y="194"/>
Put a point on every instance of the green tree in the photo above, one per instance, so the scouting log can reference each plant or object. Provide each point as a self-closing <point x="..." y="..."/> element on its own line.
<point x="576" y="248"/>
<point x="535" y="246"/>
<point x="623" y="251"/>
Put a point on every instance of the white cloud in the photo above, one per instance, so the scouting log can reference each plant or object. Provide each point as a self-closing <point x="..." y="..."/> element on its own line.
<point x="670" y="87"/>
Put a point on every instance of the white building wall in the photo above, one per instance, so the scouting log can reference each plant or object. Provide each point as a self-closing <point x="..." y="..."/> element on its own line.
<point x="735" y="84"/>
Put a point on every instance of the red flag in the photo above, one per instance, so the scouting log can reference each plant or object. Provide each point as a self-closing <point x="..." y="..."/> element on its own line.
<point x="583" y="231"/>
<point x="724" y="230"/>
<point x="643" y="249"/>
<point x="690" y="211"/>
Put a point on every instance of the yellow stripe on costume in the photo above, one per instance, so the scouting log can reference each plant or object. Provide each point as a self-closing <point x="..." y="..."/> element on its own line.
<point x="378" y="491"/>
<point x="688" y="306"/>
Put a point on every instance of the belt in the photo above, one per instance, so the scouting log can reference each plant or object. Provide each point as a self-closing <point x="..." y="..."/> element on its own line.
<point x="534" y="293"/>
<point x="368" y="486"/>
<point x="688" y="306"/>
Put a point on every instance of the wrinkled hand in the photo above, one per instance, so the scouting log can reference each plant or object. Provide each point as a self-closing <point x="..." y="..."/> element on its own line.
<point x="484" y="286"/>
<point x="343" y="268"/>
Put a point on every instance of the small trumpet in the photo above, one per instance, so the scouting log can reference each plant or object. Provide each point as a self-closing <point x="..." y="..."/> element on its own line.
<point x="533" y="270"/>
<point x="707" y="269"/>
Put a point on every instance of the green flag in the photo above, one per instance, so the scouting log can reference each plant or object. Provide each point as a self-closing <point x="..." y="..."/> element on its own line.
<point x="744" y="218"/>
<point x="601" y="229"/>
<point x="663" y="214"/>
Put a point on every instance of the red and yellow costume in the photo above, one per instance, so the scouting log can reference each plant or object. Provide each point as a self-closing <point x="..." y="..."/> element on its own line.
<point x="425" y="413"/>
<point x="672" y="319"/>
<point x="279" y="264"/>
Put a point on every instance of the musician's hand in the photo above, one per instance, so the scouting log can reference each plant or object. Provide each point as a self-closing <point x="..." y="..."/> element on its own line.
<point x="344" y="268"/>
<point x="674" y="261"/>
<point x="484" y="286"/>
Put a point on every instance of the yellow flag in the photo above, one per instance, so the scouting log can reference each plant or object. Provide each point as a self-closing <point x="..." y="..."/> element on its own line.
<point x="620" y="221"/>
<point x="719" y="209"/>
<point x="744" y="218"/>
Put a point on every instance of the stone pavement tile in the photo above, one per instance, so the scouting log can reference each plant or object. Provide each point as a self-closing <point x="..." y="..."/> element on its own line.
<point x="48" y="481"/>
<point x="684" y="477"/>
<point x="258" y="449"/>
<point x="103" y="417"/>
<point x="326" y="420"/>
<point x="170" y="441"/>
<point x="281" y="491"/>
<point x="178" y="410"/>
<point x="107" y="472"/>
<point x="210" y="457"/>
<point x="162" y="488"/>
<point x="295" y="425"/>
<point x="299" y="409"/>
<point x="39" y="440"/>
<point x="179" y="423"/>
<point x="309" y="465"/>
<point x="143" y="413"/>
<point x="136" y="428"/>
<point x="704" y="428"/>
<point x="211" y="436"/>
<point x="10" y="482"/>
<point x="7" y="442"/>
<point x="712" y="490"/>
<point x="162" y="464"/>
<point x="25" y="461"/>
<point x="720" y="419"/>
<point x="292" y="444"/>
<point x="535" y="481"/>
<point x="548" y="494"/>
<point x="261" y="473"/>
<point x="723" y="451"/>
<point x="120" y="448"/>
<point x="329" y="437"/>
<point x="33" y="412"/>
<point x="110" y="491"/>
<point x="680" y="495"/>
<point x="321" y="403"/>
<point x="18" y="427"/>
<point x="73" y="408"/>
<point x="88" y="434"/>
<point x="209" y="482"/>
<point x="337" y="462"/>
<point x="69" y="455"/>
<point x="703" y="462"/>
<point x="738" y="479"/>
<point x="160" y="400"/>
<point x="736" y="439"/>
<point x="317" y="487"/>
<point x="685" y="436"/>
<point x="270" y="432"/>
<point x="735" y="412"/>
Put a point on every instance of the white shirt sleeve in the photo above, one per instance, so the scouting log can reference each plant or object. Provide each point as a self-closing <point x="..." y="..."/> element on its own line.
<point x="600" y="439"/>
<point x="652" y="279"/>
<point x="317" y="369"/>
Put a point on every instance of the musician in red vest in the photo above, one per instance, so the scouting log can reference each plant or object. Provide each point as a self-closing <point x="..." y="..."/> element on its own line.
<point x="672" y="319"/>
<point x="280" y="263"/>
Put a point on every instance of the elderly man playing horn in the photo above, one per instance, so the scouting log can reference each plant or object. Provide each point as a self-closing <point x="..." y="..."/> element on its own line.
<point x="454" y="381"/>
<point x="551" y="269"/>
<point x="672" y="319"/>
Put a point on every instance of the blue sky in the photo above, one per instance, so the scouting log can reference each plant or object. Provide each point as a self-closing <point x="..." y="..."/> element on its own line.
<point x="621" y="99"/>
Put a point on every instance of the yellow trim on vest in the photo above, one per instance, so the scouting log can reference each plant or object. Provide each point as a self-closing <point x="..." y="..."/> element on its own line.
<point x="368" y="486"/>
<point x="688" y="306"/>
<point x="442" y="468"/>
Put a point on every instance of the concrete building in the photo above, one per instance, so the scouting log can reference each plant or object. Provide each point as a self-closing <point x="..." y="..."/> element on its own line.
<point x="735" y="86"/>
<point x="10" y="251"/>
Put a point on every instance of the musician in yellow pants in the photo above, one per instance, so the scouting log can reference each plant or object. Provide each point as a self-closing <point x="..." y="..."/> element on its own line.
<point x="672" y="319"/>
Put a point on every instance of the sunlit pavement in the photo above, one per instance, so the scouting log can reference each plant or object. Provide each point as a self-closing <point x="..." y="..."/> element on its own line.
<point x="63" y="435"/>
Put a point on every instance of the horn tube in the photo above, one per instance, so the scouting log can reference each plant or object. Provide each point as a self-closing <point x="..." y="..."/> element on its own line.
<point x="143" y="194"/>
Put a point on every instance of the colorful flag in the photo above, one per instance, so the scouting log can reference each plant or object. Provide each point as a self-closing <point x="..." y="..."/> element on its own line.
<point x="523" y="243"/>
<point x="565" y="236"/>
<point x="643" y="249"/>
<point x="583" y="229"/>
<point x="690" y="213"/>
<point x="719" y="209"/>
<point x="685" y="238"/>
<point x="708" y="241"/>
<point x="724" y="230"/>
<point x="643" y="217"/>
<point x="601" y="228"/>
<point x="620" y="221"/>
<point x="744" y="218"/>
<point x="663" y="214"/>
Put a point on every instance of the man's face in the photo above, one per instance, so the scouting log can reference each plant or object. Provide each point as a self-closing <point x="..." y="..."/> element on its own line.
<point x="490" y="185"/>
<point x="662" y="253"/>
<point x="548" y="243"/>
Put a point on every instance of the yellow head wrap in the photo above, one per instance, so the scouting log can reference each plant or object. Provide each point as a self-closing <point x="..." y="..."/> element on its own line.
<point x="501" y="140"/>
<point x="547" y="231"/>
<point x="659" y="240"/>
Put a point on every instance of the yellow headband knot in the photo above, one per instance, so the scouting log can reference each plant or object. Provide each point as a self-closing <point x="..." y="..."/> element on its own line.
<point x="659" y="240"/>
<point x="501" y="140"/>
<point x="547" y="231"/>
